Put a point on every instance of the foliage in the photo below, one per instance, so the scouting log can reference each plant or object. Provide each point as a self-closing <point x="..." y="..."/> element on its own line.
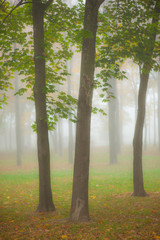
<point x="11" y="33"/>
<point x="125" y="31"/>
<point x="128" y="31"/>
<point x="60" y="33"/>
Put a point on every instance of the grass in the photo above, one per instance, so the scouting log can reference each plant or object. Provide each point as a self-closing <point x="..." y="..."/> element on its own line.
<point x="114" y="213"/>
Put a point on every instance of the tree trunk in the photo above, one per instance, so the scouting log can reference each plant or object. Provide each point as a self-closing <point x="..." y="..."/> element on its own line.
<point x="159" y="111"/>
<point x="113" y="128"/>
<point x="18" y="124"/>
<point x="138" y="135"/>
<point x="70" y="127"/>
<point x="60" y="139"/>
<point x="145" y="134"/>
<point x="45" y="194"/>
<point x="55" y="141"/>
<point x="79" y="205"/>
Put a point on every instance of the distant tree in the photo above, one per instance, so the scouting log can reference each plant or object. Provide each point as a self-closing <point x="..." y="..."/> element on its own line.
<point x="70" y="126"/>
<point x="18" y="123"/>
<point x="113" y="123"/>
<point x="9" y="57"/>
<point x="60" y="137"/>
<point x="159" y="110"/>
<point x="79" y="205"/>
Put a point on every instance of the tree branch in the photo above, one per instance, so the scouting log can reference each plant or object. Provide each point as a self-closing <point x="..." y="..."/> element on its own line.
<point x="48" y="3"/>
<point x="2" y="3"/>
<point x="99" y="2"/>
<point x="18" y="4"/>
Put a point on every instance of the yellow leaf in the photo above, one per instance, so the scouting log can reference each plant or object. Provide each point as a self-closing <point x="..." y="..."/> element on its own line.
<point x="64" y="236"/>
<point x="93" y="197"/>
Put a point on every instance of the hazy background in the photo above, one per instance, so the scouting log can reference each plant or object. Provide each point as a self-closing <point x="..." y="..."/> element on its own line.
<point x="127" y="104"/>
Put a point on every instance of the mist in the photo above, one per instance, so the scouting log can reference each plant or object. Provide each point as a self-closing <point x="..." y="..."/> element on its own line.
<point x="126" y="98"/>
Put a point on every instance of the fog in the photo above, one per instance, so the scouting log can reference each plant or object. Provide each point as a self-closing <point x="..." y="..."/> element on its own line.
<point x="127" y="91"/>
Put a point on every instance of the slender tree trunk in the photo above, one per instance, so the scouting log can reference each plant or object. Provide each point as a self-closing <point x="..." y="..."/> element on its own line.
<point x="70" y="127"/>
<point x="159" y="111"/>
<point x="45" y="194"/>
<point x="145" y="135"/>
<point x="118" y="125"/>
<point x="70" y="143"/>
<point x="18" y="123"/>
<point x="60" y="139"/>
<point x="121" y="116"/>
<point x="138" y="136"/>
<point x="79" y="205"/>
<point x="55" y="142"/>
<point x="154" y="117"/>
<point x="113" y="133"/>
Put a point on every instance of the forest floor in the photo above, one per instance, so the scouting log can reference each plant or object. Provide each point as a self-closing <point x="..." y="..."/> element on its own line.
<point x="114" y="213"/>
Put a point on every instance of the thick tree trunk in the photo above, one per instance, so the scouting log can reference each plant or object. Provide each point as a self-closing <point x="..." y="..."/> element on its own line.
<point x="138" y="138"/>
<point x="79" y="205"/>
<point x="45" y="194"/>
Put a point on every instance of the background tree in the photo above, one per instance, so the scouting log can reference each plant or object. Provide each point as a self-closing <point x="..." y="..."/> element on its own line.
<point x="144" y="77"/>
<point x="133" y="35"/>
<point x="113" y="123"/>
<point x="18" y="123"/>
<point x="159" y="109"/>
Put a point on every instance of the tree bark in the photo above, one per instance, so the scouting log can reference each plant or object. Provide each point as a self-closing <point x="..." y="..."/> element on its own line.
<point x="138" y="136"/>
<point x="45" y="194"/>
<point x="79" y="205"/>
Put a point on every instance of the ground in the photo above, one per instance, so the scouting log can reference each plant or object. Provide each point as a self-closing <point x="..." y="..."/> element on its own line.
<point x="114" y="213"/>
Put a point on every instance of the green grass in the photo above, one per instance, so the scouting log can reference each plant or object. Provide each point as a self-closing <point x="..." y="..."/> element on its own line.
<point x="114" y="213"/>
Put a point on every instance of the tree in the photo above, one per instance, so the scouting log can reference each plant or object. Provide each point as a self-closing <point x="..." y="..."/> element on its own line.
<point x="70" y="127"/>
<point x="79" y="206"/>
<point x="45" y="193"/>
<point x="138" y="135"/>
<point x="9" y="55"/>
<point x="48" y="108"/>
<point x="113" y="123"/>
<point x="159" y="109"/>
<point x="18" y="123"/>
<point x="133" y="35"/>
